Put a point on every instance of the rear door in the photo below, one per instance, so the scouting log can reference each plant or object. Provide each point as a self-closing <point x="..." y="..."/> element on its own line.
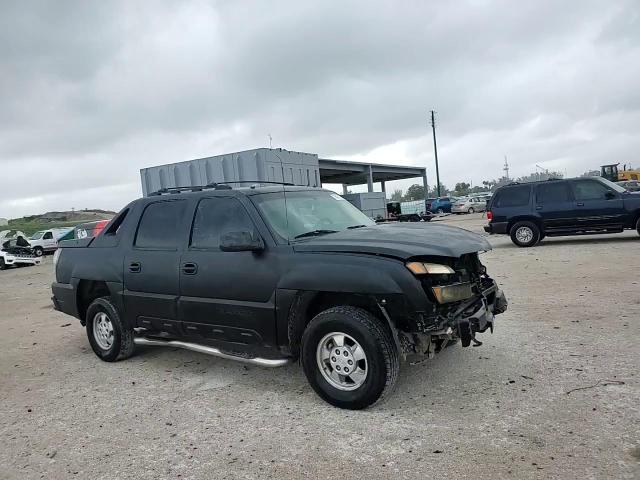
<point x="555" y="206"/>
<point x="227" y="296"/>
<point x="151" y="266"/>
<point x="597" y="205"/>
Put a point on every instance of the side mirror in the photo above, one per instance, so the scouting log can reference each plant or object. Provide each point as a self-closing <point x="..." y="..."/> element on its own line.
<point x="609" y="195"/>
<point x="241" y="241"/>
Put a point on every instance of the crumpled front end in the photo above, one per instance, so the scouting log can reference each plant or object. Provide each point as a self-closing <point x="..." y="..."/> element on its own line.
<point x="461" y="304"/>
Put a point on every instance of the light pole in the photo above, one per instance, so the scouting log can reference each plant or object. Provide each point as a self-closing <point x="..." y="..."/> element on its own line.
<point x="435" y="151"/>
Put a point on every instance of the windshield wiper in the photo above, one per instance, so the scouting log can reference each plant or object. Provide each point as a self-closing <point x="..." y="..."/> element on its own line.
<point x="315" y="233"/>
<point x="355" y="226"/>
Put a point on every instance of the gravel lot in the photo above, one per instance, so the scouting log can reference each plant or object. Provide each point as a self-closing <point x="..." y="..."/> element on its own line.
<point x="503" y="410"/>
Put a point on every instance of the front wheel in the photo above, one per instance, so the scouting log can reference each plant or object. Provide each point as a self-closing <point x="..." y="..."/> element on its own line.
<point x="471" y="210"/>
<point x="38" y="251"/>
<point x="110" y="338"/>
<point x="525" y="234"/>
<point x="638" y="226"/>
<point x="439" y="211"/>
<point x="349" y="358"/>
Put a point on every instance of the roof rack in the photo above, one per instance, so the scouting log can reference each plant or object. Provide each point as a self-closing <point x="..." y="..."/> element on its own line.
<point x="213" y="185"/>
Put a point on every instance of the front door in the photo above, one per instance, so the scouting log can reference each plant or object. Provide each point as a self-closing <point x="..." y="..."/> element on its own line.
<point x="227" y="296"/>
<point x="555" y="206"/>
<point x="48" y="242"/>
<point x="151" y="277"/>
<point x="597" y="205"/>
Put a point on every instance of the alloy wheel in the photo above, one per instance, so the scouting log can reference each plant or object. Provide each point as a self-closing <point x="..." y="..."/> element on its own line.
<point x="342" y="361"/>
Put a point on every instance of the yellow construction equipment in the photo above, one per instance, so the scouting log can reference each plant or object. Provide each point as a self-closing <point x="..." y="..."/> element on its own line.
<point x="613" y="173"/>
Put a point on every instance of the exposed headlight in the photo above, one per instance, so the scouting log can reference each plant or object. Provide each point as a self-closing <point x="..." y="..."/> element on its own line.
<point x="420" y="268"/>
<point x="453" y="293"/>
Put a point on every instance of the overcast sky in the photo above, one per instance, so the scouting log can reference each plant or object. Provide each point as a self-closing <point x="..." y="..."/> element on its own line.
<point x="92" y="91"/>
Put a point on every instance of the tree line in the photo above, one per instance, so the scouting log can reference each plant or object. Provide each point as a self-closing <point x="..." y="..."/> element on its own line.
<point x="461" y="189"/>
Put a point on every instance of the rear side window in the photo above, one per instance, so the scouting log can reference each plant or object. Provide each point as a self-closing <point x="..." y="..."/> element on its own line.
<point x="517" y="196"/>
<point x="553" y="193"/>
<point x="589" y="190"/>
<point x="216" y="216"/>
<point x="158" y="226"/>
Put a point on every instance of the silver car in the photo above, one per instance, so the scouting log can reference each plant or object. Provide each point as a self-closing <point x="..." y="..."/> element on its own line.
<point x="469" y="205"/>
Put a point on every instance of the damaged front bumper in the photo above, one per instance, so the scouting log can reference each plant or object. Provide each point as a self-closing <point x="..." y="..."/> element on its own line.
<point x="463" y="322"/>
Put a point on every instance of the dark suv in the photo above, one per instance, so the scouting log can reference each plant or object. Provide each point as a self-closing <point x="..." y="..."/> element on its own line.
<point x="267" y="275"/>
<point x="580" y="206"/>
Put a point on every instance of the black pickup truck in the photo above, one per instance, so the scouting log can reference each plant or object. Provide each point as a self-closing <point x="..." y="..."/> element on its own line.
<point x="271" y="274"/>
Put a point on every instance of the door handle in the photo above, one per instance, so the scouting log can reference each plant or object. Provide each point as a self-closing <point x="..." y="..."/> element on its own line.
<point x="580" y="204"/>
<point x="538" y="207"/>
<point x="189" y="268"/>
<point x="135" y="267"/>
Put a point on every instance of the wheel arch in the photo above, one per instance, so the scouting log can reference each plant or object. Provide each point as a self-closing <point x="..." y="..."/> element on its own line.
<point x="87" y="292"/>
<point x="525" y="218"/>
<point x="307" y="304"/>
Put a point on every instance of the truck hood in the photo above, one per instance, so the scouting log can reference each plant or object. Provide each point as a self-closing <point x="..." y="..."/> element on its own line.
<point x="401" y="240"/>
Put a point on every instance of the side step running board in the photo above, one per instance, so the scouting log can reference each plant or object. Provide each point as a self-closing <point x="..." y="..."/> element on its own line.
<point x="263" y="362"/>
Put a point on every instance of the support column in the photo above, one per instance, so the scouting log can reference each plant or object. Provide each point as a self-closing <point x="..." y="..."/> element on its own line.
<point x="370" y="179"/>
<point x="344" y="189"/>
<point x="384" y="189"/>
<point x="426" y="188"/>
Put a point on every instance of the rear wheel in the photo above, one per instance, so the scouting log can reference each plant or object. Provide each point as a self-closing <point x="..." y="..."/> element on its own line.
<point x="110" y="338"/>
<point x="525" y="234"/>
<point x="349" y="358"/>
<point x="471" y="210"/>
<point x="638" y="225"/>
<point x="440" y="211"/>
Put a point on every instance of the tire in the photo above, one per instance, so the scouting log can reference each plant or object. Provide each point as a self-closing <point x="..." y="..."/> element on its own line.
<point x="471" y="210"/>
<point x="3" y="266"/>
<point x="638" y="225"/>
<point x="439" y="211"/>
<point x="381" y="360"/>
<point x="38" y="251"/>
<point x="121" y="345"/>
<point x="525" y="234"/>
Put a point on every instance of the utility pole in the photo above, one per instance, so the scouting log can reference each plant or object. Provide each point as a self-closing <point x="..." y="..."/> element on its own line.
<point x="435" y="151"/>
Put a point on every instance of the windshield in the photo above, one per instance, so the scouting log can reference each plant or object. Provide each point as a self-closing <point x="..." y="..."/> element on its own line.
<point x="308" y="213"/>
<point x="36" y="236"/>
<point x="612" y="185"/>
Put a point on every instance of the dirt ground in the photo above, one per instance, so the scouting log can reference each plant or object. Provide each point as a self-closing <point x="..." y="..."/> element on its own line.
<point x="553" y="393"/>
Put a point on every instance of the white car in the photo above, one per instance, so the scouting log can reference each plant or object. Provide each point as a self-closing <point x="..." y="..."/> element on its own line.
<point x="469" y="205"/>
<point x="10" y="258"/>
<point x="46" y="240"/>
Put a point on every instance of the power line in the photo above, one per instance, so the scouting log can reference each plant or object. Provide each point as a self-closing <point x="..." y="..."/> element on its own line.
<point x="435" y="151"/>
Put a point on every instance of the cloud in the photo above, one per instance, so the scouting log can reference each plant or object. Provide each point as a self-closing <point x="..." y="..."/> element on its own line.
<point x="94" y="91"/>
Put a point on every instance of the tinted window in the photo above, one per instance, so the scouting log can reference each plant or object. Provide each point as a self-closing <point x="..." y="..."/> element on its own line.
<point x="553" y="193"/>
<point x="514" y="196"/>
<point x="215" y="216"/>
<point x="48" y="236"/>
<point x="589" y="190"/>
<point x="158" y="226"/>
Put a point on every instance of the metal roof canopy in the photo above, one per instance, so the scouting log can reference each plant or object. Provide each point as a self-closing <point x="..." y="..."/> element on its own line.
<point x="356" y="173"/>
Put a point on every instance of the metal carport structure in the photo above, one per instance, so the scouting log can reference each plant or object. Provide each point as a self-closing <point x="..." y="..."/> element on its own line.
<point x="357" y="173"/>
